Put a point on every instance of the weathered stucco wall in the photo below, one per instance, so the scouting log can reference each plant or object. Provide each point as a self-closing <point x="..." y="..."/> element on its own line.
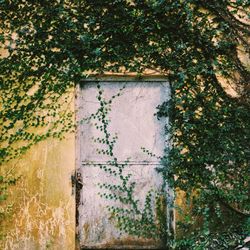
<point x="40" y="208"/>
<point x="43" y="207"/>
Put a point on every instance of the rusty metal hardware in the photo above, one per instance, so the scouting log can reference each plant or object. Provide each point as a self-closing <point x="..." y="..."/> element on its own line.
<point x="76" y="181"/>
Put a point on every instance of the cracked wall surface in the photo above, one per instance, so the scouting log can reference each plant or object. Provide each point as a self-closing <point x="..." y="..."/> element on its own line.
<point x="43" y="207"/>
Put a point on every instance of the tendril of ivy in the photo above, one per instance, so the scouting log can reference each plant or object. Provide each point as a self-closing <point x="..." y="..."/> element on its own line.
<point x="147" y="221"/>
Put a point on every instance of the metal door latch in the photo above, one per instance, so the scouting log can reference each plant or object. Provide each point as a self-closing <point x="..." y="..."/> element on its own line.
<point x="76" y="182"/>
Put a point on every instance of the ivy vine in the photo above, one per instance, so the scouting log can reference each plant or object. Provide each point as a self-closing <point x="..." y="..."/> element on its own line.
<point x="147" y="221"/>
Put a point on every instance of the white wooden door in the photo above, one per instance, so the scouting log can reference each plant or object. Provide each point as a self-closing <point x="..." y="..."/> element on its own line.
<point x="132" y="118"/>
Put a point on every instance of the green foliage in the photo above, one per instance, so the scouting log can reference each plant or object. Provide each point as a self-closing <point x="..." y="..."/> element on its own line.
<point x="230" y="239"/>
<point x="131" y="217"/>
<point x="5" y="182"/>
<point x="52" y="45"/>
<point x="6" y="208"/>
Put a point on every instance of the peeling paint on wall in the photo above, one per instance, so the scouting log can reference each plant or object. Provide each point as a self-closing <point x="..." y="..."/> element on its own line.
<point x="38" y="226"/>
<point x="43" y="215"/>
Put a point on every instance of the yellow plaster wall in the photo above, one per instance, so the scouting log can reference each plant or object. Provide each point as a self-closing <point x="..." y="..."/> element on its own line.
<point x="43" y="212"/>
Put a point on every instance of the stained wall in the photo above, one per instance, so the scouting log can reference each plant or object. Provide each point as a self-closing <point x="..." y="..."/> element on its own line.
<point x="41" y="213"/>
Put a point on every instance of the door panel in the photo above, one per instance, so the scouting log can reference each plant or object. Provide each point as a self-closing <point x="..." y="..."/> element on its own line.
<point x="132" y="118"/>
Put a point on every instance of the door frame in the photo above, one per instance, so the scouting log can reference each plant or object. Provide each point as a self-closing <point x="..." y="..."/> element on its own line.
<point x="170" y="194"/>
